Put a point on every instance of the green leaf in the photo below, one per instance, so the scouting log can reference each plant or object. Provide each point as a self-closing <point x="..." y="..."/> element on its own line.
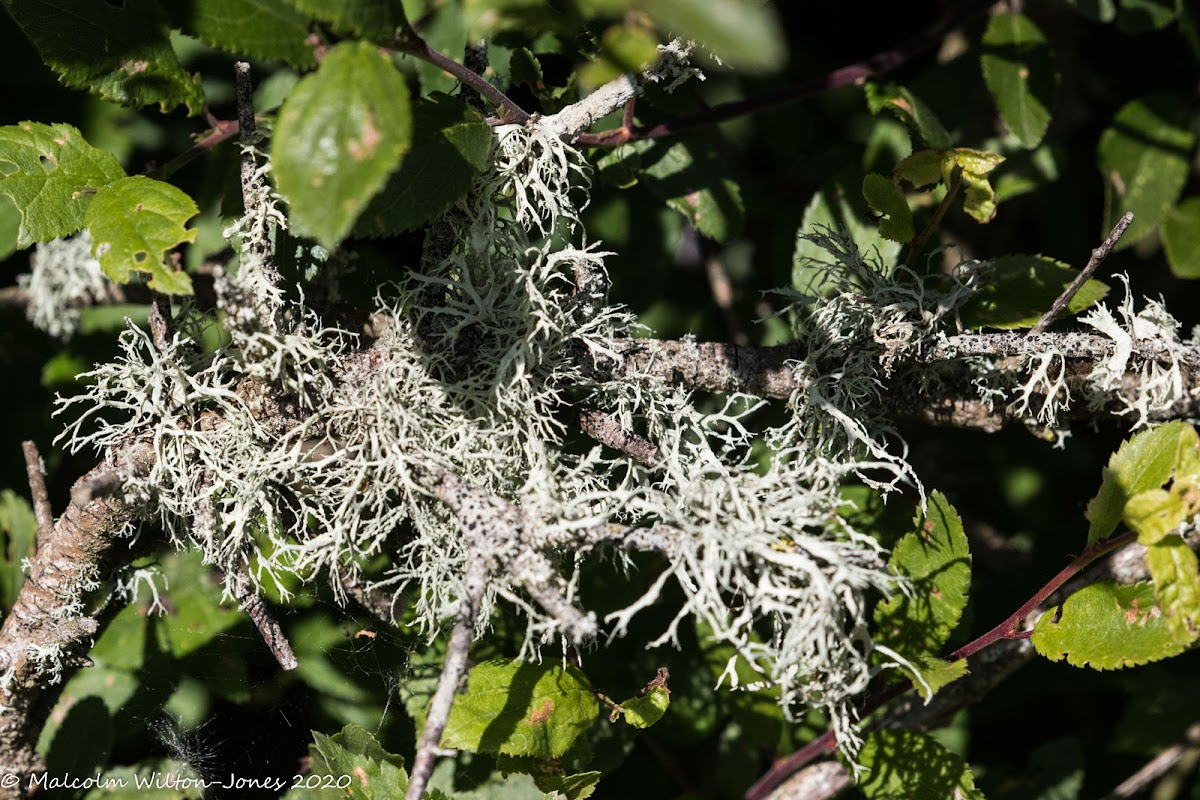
<point x="1144" y="16"/>
<point x="923" y="125"/>
<point x="521" y="709"/>
<point x="1155" y="513"/>
<point x="1181" y="238"/>
<point x="1020" y="288"/>
<point x="259" y="28"/>
<point x="936" y="560"/>
<point x="50" y="173"/>
<point x="835" y="208"/>
<point x="134" y="222"/>
<point x="886" y="197"/>
<point x="373" y="19"/>
<point x="146" y="781"/>
<point x="1176" y="574"/>
<point x="10" y="227"/>
<point x="932" y="673"/>
<point x="1018" y="68"/>
<point x="644" y="711"/>
<point x="451" y="144"/>
<point x="340" y="134"/>
<point x="980" y="199"/>
<point x="579" y="786"/>
<point x="1146" y="461"/>
<point x="197" y="615"/>
<point x="18" y="532"/>
<point x="120" y="51"/>
<point x="376" y="774"/>
<point x="1106" y="626"/>
<point x="1144" y="161"/>
<point x="692" y="179"/>
<point x="904" y="765"/>
<point x="744" y="34"/>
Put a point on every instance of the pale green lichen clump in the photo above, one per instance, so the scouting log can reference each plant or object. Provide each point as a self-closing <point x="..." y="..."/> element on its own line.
<point x="297" y="449"/>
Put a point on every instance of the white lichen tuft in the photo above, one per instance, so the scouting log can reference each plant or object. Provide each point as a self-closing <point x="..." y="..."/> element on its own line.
<point x="297" y="450"/>
<point x="64" y="278"/>
<point x="1152" y="329"/>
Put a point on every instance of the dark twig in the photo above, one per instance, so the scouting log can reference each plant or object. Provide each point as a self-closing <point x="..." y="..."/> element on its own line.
<point x="1157" y="767"/>
<point x="252" y="180"/>
<point x="409" y="43"/>
<point x="268" y="627"/>
<point x="37" y="490"/>
<point x="1098" y="255"/>
<point x="380" y="603"/>
<point x="161" y="327"/>
<point x="607" y="431"/>
<point x="221" y="131"/>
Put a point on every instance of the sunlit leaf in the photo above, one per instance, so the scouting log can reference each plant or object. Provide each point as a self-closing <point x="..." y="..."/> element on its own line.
<point x="1175" y="571"/>
<point x="260" y="28"/>
<point x="905" y="765"/>
<point x="1021" y="288"/>
<point x="1018" y="68"/>
<point x="884" y="196"/>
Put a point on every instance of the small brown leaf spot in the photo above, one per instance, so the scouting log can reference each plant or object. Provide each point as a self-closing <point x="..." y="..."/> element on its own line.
<point x="692" y="199"/>
<point x="903" y="105"/>
<point x="1156" y="612"/>
<point x="1023" y="73"/>
<point x="361" y="774"/>
<point x="1131" y="615"/>
<point x="928" y="526"/>
<point x="364" y="147"/>
<point x="936" y="593"/>
<point x="1117" y="182"/>
<point x="25" y="126"/>
<point x="61" y="141"/>
<point x="317" y="181"/>
<point x="102" y="248"/>
<point x="136" y="67"/>
<point x="138" y="208"/>
<point x="543" y="714"/>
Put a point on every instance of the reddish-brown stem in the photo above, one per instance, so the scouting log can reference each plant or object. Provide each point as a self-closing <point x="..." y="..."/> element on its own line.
<point x="409" y="43"/>
<point x="221" y="130"/>
<point x="1008" y="629"/>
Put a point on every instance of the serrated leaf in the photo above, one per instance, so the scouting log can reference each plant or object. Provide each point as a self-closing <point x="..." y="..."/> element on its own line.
<point x="838" y="209"/>
<point x="1144" y="161"/>
<point x="1019" y="290"/>
<point x="1176" y="575"/>
<point x="260" y="28"/>
<point x="1018" y="68"/>
<point x="1107" y="626"/>
<point x="883" y="195"/>
<point x="692" y="179"/>
<point x="50" y="173"/>
<point x="905" y="765"/>
<point x="1145" y="461"/>
<point x="1181" y="239"/>
<point x="121" y="51"/>
<point x="340" y="135"/>
<point x="746" y="35"/>
<point x="923" y="125"/>
<point x="450" y="147"/>
<point x="979" y="200"/>
<point x="929" y="673"/>
<point x="936" y="559"/>
<point x="521" y="709"/>
<point x="644" y="711"/>
<point x="377" y="774"/>
<point x="134" y="222"/>
<point x="579" y="786"/>
<point x="148" y="781"/>
<point x="1154" y="514"/>
<point x="373" y="19"/>
<point x="18" y="532"/>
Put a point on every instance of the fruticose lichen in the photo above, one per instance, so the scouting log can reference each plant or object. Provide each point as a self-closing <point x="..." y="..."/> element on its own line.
<point x="63" y="278"/>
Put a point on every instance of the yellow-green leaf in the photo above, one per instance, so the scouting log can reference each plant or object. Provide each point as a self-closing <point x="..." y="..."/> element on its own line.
<point x="1154" y="513"/>
<point x="341" y="133"/>
<point x="1176" y="574"/>
<point x="644" y="711"/>
<point x="905" y="765"/>
<point x="133" y="222"/>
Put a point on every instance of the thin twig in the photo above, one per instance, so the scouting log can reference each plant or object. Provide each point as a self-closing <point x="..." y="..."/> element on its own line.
<point x="221" y="131"/>
<point x="409" y="43"/>
<point x="1158" y="766"/>
<point x="268" y="627"/>
<point x="605" y="429"/>
<point x="1098" y="255"/>
<point x="918" y="245"/>
<point x="252" y="179"/>
<point x="722" y="293"/>
<point x="453" y="669"/>
<point x="37" y="490"/>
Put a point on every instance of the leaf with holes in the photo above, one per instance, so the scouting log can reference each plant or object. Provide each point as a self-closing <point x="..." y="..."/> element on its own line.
<point x="521" y="709"/>
<point x="936" y="560"/>
<point x="903" y="765"/>
<point x="1144" y="462"/>
<point x="1144" y="161"/>
<point x="50" y="173"/>
<point x="1107" y="626"/>
<point x="120" y="51"/>
<point x="1018" y="68"/>
<point x="342" y="132"/>
<point x="133" y="222"/>
<point x="451" y="143"/>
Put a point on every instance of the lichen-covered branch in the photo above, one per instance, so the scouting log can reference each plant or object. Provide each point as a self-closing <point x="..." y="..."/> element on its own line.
<point x="53" y="622"/>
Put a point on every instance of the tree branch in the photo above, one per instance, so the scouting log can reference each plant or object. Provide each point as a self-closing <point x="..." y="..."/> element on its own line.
<point x="37" y="491"/>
